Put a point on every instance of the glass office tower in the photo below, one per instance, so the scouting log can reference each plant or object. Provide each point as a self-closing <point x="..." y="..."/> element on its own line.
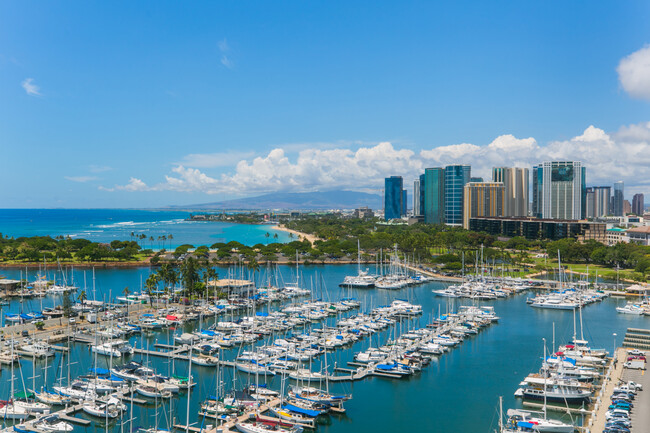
<point x="456" y="176"/>
<point x="393" y="187"/>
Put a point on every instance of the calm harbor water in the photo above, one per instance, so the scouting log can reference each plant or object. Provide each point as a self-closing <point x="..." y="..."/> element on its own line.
<point x="456" y="393"/>
<point x="105" y="225"/>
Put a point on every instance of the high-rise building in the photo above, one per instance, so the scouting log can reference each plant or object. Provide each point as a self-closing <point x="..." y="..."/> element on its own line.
<point x="638" y="207"/>
<point x="590" y="202"/>
<point x="482" y="199"/>
<point x="559" y="190"/>
<point x="456" y="176"/>
<point x="627" y="207"/>
<point x="598" y="201"/>
<point x="393" y="196"/>
<point x="404" y="202"/>
<point x="416" y="198"/>
<point x="476" y="179"/>
<point x="434" y="195"/>
<point x="515" y="181"/>
<point x="618" y="199"/>
<point x="422" y="194"/>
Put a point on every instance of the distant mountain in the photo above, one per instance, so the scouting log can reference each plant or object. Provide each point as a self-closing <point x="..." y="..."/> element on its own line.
<point x="297" y="201"/>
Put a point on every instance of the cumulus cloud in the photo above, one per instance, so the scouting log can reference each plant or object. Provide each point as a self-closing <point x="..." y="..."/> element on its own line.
<point x="634" y="73"/>
<point x="80" y="179"/>
<point x="134" y="185"/>
<point x="621" y="155"/>
<point x="30" y="88"/>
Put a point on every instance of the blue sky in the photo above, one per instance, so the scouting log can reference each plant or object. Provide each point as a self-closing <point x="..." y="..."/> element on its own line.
<point x="136" y="104"/>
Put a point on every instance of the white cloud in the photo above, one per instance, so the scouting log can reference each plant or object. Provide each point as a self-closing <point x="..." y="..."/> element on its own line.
<point x="99" y="168"/>
<point x="134" y="185"/>
<point x="227" y="62"/>
<point x="224" y="48"/>
<point x="621" y="155"/>
<point x="30" y="88"/>
<point x="217" y="159"/>
<point x="80" y="179"/>
<point x="634" y="73"/>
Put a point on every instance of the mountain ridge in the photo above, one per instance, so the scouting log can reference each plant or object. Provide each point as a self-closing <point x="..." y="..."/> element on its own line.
<point x="319" y="200"/>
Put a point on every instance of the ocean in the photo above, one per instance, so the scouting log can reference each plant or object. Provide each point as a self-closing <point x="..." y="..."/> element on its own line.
<point x="106" y="225"/>
<point x="457" y="392"/>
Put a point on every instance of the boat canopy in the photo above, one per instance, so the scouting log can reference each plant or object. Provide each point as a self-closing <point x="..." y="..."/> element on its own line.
<point x="296" y="409"/>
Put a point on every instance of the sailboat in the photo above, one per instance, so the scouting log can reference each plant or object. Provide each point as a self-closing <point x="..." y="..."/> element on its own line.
<point x="362" y="280"/>
<point x="111" y="409"/>
<point x="520" y="421"/>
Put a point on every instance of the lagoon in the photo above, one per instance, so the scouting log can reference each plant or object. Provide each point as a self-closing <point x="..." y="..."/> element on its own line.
<point x="106" y="225"/>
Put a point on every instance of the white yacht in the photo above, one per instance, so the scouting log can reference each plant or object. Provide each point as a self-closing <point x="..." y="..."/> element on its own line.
<point x="528" y="421"/>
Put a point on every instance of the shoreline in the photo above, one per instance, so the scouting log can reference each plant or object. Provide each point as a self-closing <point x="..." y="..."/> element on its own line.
<point x="307" y="236"/>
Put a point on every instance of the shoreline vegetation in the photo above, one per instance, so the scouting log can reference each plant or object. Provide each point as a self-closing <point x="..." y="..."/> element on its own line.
<point x="332" y="239"/>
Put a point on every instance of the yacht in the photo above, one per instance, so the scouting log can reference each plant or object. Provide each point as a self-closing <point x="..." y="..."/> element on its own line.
<point x="528" y="421"/>
<point x="566" y="391"/>
<point x="37" y="349"/>
<point x="117" y="348"/>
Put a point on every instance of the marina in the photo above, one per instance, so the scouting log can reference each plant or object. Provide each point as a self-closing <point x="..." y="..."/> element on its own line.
<point x="337" y="365"/>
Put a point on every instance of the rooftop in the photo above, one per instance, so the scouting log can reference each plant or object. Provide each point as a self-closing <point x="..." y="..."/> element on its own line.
<point x="643" y="229"/>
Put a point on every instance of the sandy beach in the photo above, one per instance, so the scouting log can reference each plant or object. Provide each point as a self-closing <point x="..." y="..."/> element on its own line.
<point x="297" y="234"/>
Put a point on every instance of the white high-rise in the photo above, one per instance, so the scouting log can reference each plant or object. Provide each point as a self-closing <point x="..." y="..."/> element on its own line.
<point x="559" y="190"/>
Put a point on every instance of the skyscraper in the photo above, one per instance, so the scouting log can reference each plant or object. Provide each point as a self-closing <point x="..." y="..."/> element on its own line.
<point x="416" y="198"/>
<point x="515" y="183"/>
<point x="404" y="202"/>
<point x="434" y="195"/>
<point x="456" y="176"/>
<point x="618" y="199"/>
<point x="638" y="207"/>
<point x="627" y="207"/>
<point x="598" y="201"/>
<point x="422" y="194"/>
<point x="559" y="190"/>
<point x="393" y="197"/>
<point x="482" y="199"/>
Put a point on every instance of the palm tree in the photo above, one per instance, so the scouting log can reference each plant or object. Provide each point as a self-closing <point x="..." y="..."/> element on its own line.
<point x="82" y="297"/>
<point x="151" y="283"/>
<point x="253" y="266"/>
<point x="126" y="292"/>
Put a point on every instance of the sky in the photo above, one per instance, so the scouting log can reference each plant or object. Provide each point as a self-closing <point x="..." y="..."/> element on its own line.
<point x="156" y="103"/>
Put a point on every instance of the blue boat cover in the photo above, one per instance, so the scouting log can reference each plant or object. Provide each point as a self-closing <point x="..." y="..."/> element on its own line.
<point x="308" y="412"/>
<point x="101" y="371"/>
<point x="525" y="424"/>
<point x="386" y="366"/>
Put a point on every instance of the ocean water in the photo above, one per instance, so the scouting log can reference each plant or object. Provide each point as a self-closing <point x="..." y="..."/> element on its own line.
<point x="458" y="392"/>
<point x="105" y="225"/>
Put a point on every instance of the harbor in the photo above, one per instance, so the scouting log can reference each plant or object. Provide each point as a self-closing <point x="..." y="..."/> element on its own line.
<point x="460" y="367"/>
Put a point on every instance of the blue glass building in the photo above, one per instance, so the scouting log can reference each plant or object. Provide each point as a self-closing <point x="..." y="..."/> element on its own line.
<point x="433" y="202"/>
<point x="456" y="176"/>
<point x="393" y="197"/>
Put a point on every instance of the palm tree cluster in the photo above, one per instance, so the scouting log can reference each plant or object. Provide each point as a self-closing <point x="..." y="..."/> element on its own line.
<point x="193" y="275"/>
<point x="161" y="240"/>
